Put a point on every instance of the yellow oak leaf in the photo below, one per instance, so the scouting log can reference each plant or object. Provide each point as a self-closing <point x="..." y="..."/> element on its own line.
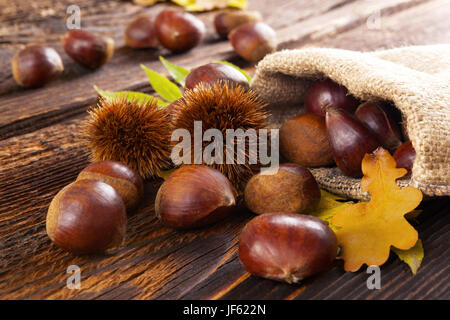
<point x="328" y="206"/>
<point x="367" y="230"/>
<point x="412" y="257"/>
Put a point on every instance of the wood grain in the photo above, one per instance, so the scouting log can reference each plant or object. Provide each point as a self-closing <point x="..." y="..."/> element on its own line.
<point x="41" y="151"/>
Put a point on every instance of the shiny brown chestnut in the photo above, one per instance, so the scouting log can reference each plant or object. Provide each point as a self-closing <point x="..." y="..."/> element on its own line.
<point x="304" y="140"/>
<point x="87" y="48"/>
<point x="376" y="119"/>
<point x="405" y="155"/>
<point x="194" y="196"/>
<point x="36" y="65"/>
<point x="87" y="216"/>
<point x="253" y="41"/>
<point x="287" y="247"/>
<point x="349" y="141"/>
<point x="327" y="93"/>
<point x="212" y="72"/>
<point x="140" y="33"/>
<point x="292" y="189"/>
<point x="121" y="177"/>
<point x="226" y="21"/>
<point x="178" y="31"/>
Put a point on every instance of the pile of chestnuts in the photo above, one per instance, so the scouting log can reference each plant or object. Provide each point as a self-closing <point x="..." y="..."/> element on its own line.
<point x="89" y="215"/>
<point x="176" y="30"/>
<point x="338" y="129"/>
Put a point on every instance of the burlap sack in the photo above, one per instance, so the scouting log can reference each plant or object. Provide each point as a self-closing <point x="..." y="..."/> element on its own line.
<point x="416" y="79"/>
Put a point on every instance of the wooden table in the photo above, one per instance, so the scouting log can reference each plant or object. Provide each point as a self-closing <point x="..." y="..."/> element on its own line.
<point x="40" y="152"/>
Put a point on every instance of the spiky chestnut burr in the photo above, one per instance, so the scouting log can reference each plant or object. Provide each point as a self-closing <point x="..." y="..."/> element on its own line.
<point x="133" y="133"/>
<point x="222" y="106"/>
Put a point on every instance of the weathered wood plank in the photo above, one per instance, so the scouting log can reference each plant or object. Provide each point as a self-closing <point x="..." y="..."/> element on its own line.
<point x="301" y="22"/>
<point x="158" y="262"/>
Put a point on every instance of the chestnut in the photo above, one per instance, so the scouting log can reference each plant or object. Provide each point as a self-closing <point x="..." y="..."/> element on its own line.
<point x="178" y="31"/>
<point x="212" y="72"/>
<point x="87" y="216"/>
<point x="349" y="141"/>
<point x="194" y="196"/>
<point x="382" y="126"/>
<point x="304" y="140"/>
<point x="140" y="33"/>
<point x="405" y="155"/>
<point x="121" y="177"/>
<point x="226" y="21"/>
<point x="327" y="93"/>
<point x="36" y="65"/>
<point x="253" y="41"/>
<point x="291" y="189"/>
<point x="87" y="48"/>
<point x="287" y="247"/>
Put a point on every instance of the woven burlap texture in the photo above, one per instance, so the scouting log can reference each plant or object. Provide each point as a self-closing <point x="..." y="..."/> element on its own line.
<point x="416" y="79"/>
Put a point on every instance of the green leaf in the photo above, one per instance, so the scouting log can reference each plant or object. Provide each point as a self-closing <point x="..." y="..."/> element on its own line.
<point x="163" y="86"/>
<point x="412" y="257"/>
<point x="130" y="96"/>
<point x="177" y="72"/>
<point x="237" y="68"/>
<point x="165" y="173"/>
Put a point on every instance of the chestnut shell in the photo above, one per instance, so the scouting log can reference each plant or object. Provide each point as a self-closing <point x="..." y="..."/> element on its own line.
<point x="178" y="31"/>
<point x="122" y="178"/>
<point x="87" y="48"/>
<point x="349" y="141"/>
<point x="287" y="247"/>
<point x="292" y="189"/>
<point x="212" y="72"/>
<point x="304" y="140"/>
<point x="327" y="93"/>
<point x="36" y="65"/>
<point x="194" y="196"/>
<point x="87" y="216"/>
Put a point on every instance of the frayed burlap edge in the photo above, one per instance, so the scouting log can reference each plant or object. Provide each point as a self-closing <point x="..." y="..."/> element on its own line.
<point x="416" y="79"/>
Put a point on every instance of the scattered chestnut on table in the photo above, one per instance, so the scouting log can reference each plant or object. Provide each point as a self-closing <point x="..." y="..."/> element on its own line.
<point x="212" y="72"/>
<point x="87" y="48"/>
<point x="383" y="127"/>
<point x="121" y="177"/>
<point x="87" y="216"/>
<point x="292" y="189"/>
<point x="405" y="155"/>
<point x="36" y="65"/>
<point x="140" y="33"/>
<point x="178" y="31"/>
<point x="226" y="21"/>
<point x="327" y="93"/>
<point x="304" y="140"/>
<point x="349" y="141"/>
<point x="253" y="41"/>
<point x="287" y="247"/>
<point x="194" y="196"/>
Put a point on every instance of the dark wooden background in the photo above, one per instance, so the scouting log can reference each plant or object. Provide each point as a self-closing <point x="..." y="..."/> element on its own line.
<point x="40" y="152"/>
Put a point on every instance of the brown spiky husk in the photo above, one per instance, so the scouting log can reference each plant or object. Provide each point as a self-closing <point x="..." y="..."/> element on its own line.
<point x="222" y="106"/>
<point x="137" y="134"/>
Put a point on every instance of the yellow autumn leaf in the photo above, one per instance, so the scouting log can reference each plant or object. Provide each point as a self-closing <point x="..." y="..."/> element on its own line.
<point x="328" y="206"/>
<point x="412" y="257"/>
<point x="367" y="230"/>
<point x="207" y="5"/>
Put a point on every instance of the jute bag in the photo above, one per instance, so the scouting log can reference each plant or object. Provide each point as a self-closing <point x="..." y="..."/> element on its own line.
<point x="415" y="79"/>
